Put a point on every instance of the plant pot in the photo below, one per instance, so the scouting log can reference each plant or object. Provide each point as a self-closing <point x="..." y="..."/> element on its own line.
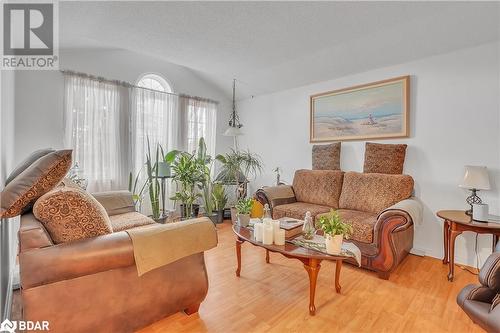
<point x="195" y="210"/>
<point x="213" y="217"/>
<point x="243" y="219"/>
<point x="234" y="215"/>
<point x="333" y="243"/>
<point x="220" y="216"/>
<point x="161" y="219"/>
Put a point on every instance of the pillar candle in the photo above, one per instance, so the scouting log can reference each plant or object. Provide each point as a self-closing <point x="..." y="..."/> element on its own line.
<point x="279" y="237"/>
<point x="258" y="228"/>
<point x="268" y="235"/>
<point x="267" y="221"/>
<point x="276" y="226"/>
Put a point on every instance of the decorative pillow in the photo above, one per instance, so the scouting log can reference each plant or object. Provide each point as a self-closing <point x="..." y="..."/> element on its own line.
<point x="326" y="157"/>
<point x="39" y="178"/>
<point x="27" y="162"/>
<point x="320" y="187"/>
<point x="384" y="158"/>
<point x="374" y="192"/>
<point x="71" y="214"/>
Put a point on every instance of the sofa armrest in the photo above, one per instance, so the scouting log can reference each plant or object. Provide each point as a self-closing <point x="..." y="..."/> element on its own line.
<point x="275" y="195"/>
<point x="73" y="259"/>
<point x="116" y="202"/>
<point x="411" y="208"/>
<point x="476" y="293"/>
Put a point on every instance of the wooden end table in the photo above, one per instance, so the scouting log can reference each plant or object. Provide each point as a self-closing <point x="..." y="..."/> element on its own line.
<point x="310" y="258"/>
<point x="456" y="222"/>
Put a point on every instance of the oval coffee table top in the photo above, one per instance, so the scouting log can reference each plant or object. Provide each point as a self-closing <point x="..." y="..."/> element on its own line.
<point x="288" y="250"/>
<point x="459" y="216"/>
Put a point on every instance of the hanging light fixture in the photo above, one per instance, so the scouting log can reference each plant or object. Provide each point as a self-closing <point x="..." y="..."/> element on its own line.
<point x="234" y="128"/>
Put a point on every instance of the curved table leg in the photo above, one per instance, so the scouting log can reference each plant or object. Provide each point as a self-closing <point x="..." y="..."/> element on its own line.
<point x="312" y="267"/>
<point x="338" y="267"/>
<point x="238" y="255"/>
<point x="446" y="241"/>
<point x="267" y="256"/>
<point x="453" y="236"/>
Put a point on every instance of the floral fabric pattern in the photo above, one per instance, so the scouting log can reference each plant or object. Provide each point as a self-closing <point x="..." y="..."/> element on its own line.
<point x="298" y="210"/>
<point x="326" y="157"/>
<point x="384" y="158"/>
<point x="374" y="192"/>
<point x="130" y="220"/>
<point x="362" y="224"/>
<point x="71" y="214"/>
<point x="320" y="187"/>
<point x="39" y="178"/>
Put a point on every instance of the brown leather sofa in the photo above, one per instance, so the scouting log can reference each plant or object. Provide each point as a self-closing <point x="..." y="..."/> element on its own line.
<point x="481" y="302"/>
<point x="379" y="207"/>
<point x="92" y="285"/>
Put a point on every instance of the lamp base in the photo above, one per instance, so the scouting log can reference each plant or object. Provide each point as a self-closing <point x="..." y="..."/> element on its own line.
<point x="471" y="200"/>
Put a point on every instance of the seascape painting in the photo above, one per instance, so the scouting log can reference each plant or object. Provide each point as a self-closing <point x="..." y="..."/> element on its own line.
<point x="372" y="111"/>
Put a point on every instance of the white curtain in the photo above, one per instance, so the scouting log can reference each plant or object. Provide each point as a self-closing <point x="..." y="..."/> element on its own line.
<point x="93" y="119"/>
<point x="199" y="119"/>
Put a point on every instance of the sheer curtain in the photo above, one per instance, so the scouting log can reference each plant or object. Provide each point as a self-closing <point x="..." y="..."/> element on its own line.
<point x="199" y="119"/>
<point x="93" y="120"/>
<point x="154" y="116"/>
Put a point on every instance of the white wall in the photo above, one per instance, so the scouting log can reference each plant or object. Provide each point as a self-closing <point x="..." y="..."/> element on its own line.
<point x="39" y="94"/>
<point x="454" y="121"/>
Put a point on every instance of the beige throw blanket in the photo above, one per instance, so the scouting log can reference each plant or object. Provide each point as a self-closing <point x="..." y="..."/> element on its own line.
<point x="159" y="245"/>
<point x="412" y="206"/>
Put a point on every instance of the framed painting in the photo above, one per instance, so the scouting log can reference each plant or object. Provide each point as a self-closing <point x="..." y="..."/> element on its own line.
<point x="378" y="110"/>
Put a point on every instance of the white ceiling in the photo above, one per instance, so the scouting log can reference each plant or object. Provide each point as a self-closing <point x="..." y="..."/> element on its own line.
<point x="271" y="46"/>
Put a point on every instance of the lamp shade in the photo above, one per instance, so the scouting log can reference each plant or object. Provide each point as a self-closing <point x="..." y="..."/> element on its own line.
<point x="233" y="131"/>
<point x="476" y="177"/>
<point x="163" y="170"/>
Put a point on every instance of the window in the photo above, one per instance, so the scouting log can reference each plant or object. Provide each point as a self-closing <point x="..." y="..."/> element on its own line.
<point x="200" y="121"/>
<point x="92" y="129"/>
<point x="154" y="82"/>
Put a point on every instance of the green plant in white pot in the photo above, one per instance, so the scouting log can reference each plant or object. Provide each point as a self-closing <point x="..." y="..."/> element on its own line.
<point x="243" y="208"/>
<point x="335" y="230"/>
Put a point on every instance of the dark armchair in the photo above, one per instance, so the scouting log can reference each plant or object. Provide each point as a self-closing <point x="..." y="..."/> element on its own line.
<point x="480" y="302"/>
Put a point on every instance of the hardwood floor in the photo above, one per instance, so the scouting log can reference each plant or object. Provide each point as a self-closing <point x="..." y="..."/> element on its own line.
<point x="274" y="297"/>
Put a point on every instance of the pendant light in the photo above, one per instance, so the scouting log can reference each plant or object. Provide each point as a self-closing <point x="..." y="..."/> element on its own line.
<point x="234" y="128"/>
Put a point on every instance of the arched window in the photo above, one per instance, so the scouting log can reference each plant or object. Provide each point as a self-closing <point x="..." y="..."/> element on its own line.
<point x="154" y="82"/>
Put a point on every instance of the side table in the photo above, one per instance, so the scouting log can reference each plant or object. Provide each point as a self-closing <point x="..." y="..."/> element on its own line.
<point x="456" y="222"/>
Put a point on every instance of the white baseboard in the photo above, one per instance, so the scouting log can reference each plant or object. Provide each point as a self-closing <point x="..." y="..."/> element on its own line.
<point x="417" y="252"/>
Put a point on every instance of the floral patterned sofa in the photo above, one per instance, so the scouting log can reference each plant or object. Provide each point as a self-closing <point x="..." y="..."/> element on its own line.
<point x="378" y="206"/>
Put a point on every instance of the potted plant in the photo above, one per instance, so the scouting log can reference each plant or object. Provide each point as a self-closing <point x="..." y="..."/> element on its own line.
<point x="243" y="208"/>
<point x="151" y="184"/>
<point x="334" y="230"/>
<point x="186" y="174"/>
<point x="220" y="200"/>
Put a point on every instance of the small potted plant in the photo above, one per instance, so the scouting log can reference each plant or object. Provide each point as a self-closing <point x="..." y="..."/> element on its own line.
<point x="243" y="208"/>
<point x="220" y="200"/>
<point x="335" y="230"/>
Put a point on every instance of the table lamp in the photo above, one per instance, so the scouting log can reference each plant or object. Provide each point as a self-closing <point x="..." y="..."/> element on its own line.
<point x="475" y="179"/>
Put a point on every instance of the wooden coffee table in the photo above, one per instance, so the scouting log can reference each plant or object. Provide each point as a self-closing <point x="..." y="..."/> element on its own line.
<point x="310" y="258"/>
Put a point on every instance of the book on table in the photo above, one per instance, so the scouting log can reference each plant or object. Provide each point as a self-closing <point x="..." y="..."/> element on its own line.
<point x="292" y="226"/>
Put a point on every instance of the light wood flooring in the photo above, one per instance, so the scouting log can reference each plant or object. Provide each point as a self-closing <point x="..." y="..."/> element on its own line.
<point x="274" y="297"/>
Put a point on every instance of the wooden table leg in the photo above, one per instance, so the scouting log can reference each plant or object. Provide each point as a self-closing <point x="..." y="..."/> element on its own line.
<point x="267" y="256"/>
<point x="312" y="267"/>
<point x="446" y="241"/>
<point x="338" y="267"/>
<point x="238" y="255"/>
<point x="451" y="254"/>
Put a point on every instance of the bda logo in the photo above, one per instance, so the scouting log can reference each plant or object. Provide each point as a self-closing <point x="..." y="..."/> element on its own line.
<point x="8" y="326"/>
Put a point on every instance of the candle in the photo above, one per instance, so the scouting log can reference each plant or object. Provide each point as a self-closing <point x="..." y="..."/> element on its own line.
<point x="267" y="221"/>
<point x="267" y="235"/>
<point x="276" y="226"/>
<point x="279" y="237"/>
<point x="258" y="228"/>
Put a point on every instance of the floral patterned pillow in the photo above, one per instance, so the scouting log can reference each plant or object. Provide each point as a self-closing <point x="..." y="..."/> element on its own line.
<point x="71" y="214"/>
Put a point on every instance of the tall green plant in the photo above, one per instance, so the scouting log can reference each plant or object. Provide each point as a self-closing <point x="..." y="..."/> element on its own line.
<point x="237" y="167"/>
<point x="219" y="196"/>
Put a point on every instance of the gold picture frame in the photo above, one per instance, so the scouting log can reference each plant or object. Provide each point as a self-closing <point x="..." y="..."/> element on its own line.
<point x="377" y="110"/>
